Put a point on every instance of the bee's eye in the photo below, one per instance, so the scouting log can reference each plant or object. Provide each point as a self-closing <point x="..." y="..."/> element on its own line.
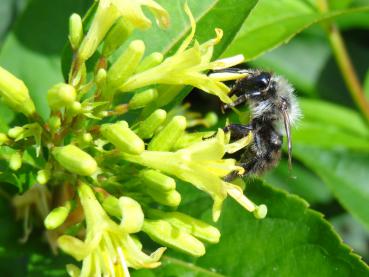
<point x="260" y="82"/>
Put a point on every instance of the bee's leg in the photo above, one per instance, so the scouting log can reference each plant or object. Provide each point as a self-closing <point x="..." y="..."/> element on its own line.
<point x="238" y="131"/>
<point x="241" y="99"/>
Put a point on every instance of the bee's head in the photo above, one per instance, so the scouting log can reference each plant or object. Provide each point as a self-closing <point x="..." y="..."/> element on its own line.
<point x="287" y="106"/>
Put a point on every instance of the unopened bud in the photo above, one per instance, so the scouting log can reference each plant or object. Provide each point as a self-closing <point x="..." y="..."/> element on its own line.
<point x="75" y="108"/>
<point x="75" y="31"/>
<point x="75" y="160"/>
<point x="3" y="139"/>
<point x="100" y="78"/>
<point x="15" y="161"/>
<point x="196" y="227"/>
<point x="57" y="217"/>
<point x="260" y="211"/>
<point x="164" y="233"/>
<point x="132" y="215"/>
<point x="126" y="64"/>
<point x="116" y="36"/>
<point x="43" y="176"/>
<point x="111" y="206"/>
<point x="156" y="180"/>
<point x="87" y="138"/>
<point x="15" y="93"/>
<point x="16" y="132"/>
<point x="141" y="99"/>
<point x="170" y="198"/>
<point x="210" y="119"/>
<point x="61" y="95"/>
<point x="123" y="137"/>
<point x="151" y="124"/>
<point x="168" y="136"/>
<point x="150" y="61"/>
<point x="54" y="123"/>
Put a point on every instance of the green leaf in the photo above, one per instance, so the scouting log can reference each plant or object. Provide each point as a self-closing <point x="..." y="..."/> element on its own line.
<point x="330" y="126"/>
<point x="345" y="173"/>
<point x="291" y="241"/>
<point x="272" y="23"/>
<point x="32" y="51"/>
<point x="300" y="181"/>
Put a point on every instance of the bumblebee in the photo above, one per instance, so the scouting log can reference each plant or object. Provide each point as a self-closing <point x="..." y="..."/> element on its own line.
<point x="274" y="110"/>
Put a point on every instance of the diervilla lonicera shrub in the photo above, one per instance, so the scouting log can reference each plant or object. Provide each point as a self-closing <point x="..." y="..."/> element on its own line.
<point x="101" y="176"/>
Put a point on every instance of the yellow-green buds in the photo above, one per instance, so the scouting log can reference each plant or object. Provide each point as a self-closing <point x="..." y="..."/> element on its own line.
<point x="132" y="215"/>
<point x="192" y="225"/>
<point x="126" y="64"/>
<point x="15" y="161"/>
<point x="61" y="95"/>
<point x="16" y="132"/>
<point x="123" y="137"/>
<point x="116" y="36"/>
<point x="150" y="61"/>
<point x="3" y="138"/>
<point x="15" y="93"/>
<point x="163" y="232"/>
<point x="43" y="176"/>
<point x="168" y="136"/>
<point x="54" y="123"/>
<point x="57" y="216"/>
<point x="100" y="78"/>
<point x="75" y="31"/>
<point x="75" y="108"/>
<point x="75" y="160"/>
<point x="170" y="198"/>
<point x="141" y="99"/>
<point x="151" y="124"/>
<point x="156" y="180"/>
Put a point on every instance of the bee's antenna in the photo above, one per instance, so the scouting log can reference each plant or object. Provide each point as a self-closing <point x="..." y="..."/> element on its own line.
<point x="286" y="121"/>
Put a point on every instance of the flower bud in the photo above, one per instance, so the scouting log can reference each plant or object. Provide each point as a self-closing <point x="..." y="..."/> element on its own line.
<point x="170" y="198"/>
<point x="132" y="215"/>
<point x="158" y="181"/>
<point x="43" y="176"/>
<point x="143" y="98"/>
<point x="164" y="233"/>
<point x="54" y="123"/>
<point x="126" y="64"/>
<point x="123" y="137"/>
<point x="117" y="35"/>
<point x="61" y="95"/>
<point x="15" y="161"/>
<point x="57" y="217"/>
<point x="15" y="93"/>
<point x="16" y="132"/>
<point x="3" y="139"/>
<point x="168" y="136"/>
<point x="196" y="227"/>
<point x="210" y="119"/>
<point x="150" y="61"/>
<point x="75" y="160"/>
<point x="75" y="31"/>
<point x="75" y="108"/>
<point x="151" y="124"/>
<point x="111" y="206"/>
<point x="100" y="78"/>
<point x="260" y="211"/>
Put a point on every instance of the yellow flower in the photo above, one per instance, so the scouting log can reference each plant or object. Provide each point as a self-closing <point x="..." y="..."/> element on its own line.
<point x="200" y="164"/>
<point x="109" y="11"/>
<point x="187" y="66"/>
<point x="108" y="249"/>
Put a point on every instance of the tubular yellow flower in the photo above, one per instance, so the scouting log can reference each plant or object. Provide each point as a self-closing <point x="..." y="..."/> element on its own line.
<point x="187" y="66"/>
<point x="200" y="164"/>
<point x="109" y="11"/>
<point x="108" y="249"/>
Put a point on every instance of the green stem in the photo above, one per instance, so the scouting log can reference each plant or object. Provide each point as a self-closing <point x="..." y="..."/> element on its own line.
<point x="344" y="63"/>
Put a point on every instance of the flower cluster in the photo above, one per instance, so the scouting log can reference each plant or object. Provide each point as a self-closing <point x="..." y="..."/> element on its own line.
<point x="101" y="171"/>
